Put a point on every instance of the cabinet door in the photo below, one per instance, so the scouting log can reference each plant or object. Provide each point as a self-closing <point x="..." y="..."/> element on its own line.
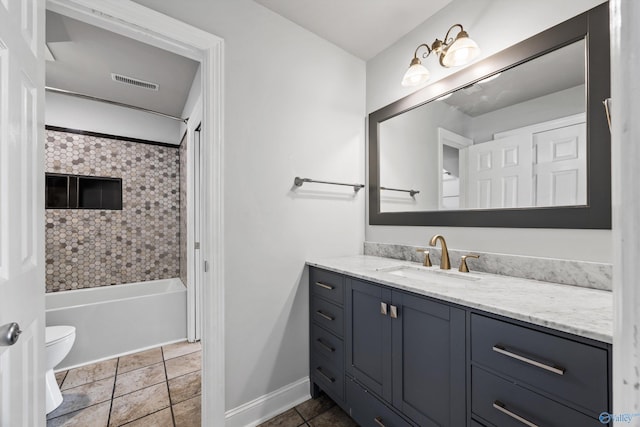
<point x="368" y="336"/>
<point x="428" y="361"/>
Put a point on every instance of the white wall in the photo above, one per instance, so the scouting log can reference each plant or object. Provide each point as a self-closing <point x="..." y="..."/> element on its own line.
<point x="538" y="110"/>
<point x="495" y="25"/>
<point x="76" y="113"/>
<point x="409" y="155"/>
<point x="294" y="105"/>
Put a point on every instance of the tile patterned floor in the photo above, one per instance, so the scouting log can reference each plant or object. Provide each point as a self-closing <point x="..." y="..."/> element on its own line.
<point x="320" y="412"/>
<point x="158" y="387"/>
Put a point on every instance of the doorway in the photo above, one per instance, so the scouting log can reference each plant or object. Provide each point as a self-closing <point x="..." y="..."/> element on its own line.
<point x="145" y="25"/>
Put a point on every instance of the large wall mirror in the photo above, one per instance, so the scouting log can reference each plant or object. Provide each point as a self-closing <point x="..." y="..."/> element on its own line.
<point x="519" y="139"/>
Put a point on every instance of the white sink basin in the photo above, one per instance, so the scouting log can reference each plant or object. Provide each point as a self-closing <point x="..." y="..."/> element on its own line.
<point x="427" y="273"/>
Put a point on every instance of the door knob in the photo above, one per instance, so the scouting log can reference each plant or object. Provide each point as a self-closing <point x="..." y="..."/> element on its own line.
<point x="9" y="334"/>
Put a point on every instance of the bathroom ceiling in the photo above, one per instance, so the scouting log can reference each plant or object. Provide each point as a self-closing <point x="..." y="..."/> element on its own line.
<point x="361" y="27"/>
<point x="85" y="56"/>
<point x="548" y="74"/>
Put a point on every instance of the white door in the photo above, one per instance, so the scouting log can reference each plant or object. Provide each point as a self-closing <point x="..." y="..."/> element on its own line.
<point x="500" y="173"/>
<point x="560" y="166"/>
<point x="22" y="212"/>
<point x="194" y="291"/>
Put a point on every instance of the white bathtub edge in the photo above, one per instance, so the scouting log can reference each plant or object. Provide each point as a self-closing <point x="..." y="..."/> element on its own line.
<point x="265" y="407"/>
<point x="126" y="353"/>
<point x="112" y="288"/>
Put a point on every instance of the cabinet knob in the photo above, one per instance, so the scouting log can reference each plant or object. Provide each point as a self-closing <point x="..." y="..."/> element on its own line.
<point x="393" y="312"/>
<point x="502" y="350"/>
<point x="378" y="421"/>
<point x="324" y="316"/>
<point x="501" y="407"/>
<point x="324" y="286"/>
<point x="325" y="376"/>
<point x="325" y="346"/>
<point x="383" y="308"/>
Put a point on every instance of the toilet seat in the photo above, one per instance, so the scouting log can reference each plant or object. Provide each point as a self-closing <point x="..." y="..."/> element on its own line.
<point x="54" y="334"/>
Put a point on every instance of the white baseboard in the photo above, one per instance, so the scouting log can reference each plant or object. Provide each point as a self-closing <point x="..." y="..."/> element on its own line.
<point x="266" y="407"/>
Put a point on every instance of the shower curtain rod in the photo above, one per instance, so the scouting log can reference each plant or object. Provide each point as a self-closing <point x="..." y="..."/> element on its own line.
<point x="106" y="101"/>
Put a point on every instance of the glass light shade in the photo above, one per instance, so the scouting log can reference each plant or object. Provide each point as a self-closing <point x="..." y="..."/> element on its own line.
<point x="416" y="74"/>
<point x="462" y="51"/>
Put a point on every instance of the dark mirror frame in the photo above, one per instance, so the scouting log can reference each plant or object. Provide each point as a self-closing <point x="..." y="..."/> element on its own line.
<point x="593" y="27"/>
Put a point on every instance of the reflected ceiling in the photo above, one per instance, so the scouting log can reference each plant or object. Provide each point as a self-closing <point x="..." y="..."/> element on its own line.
<point x="542" y="76"/>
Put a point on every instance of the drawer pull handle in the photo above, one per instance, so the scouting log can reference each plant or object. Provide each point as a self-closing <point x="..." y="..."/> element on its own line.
<point x="327" y="377"/>
<point x="325" y="346"/>
<point x="393" y="312"/>
<point x="501" y="407"/>
<point x="378" y="420"/>
<point x="325" y="316"/>
<point x="554" y="369"/>
<point x="322" y="285"/>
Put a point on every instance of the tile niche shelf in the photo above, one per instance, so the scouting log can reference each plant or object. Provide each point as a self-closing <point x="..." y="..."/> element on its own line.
<point x="82" y="192"/>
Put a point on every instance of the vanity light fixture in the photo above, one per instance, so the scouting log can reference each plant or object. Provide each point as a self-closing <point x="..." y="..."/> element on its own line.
<point x="452" y="52"/>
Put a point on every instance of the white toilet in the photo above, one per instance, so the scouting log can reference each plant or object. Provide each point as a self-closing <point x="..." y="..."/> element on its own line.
<point x="59" y="340"/>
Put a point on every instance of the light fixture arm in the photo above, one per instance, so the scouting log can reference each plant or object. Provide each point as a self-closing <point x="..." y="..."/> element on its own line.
<point x="424" y="55"/>
<point x="438" y="46"/>
<point x="448" y="40"/>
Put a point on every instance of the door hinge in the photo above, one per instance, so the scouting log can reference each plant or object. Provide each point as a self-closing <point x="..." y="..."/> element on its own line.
<point x="206" y="266"/>
<point x="197" y="245"/>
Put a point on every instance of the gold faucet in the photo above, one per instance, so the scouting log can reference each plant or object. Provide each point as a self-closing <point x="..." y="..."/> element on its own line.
<point x="445" y="264"/>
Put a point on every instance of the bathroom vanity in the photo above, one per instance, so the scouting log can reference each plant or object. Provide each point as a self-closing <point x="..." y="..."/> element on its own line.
<point x="398" y="344"/>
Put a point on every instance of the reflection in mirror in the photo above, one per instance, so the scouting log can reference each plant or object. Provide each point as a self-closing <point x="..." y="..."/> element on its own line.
<point x="515" y="139"/>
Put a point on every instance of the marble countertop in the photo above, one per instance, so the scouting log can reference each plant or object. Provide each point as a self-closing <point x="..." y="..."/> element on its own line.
<point x="580" y="311"/>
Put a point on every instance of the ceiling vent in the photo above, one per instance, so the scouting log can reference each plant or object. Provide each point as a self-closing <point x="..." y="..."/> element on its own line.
<point x="134" y="82"/>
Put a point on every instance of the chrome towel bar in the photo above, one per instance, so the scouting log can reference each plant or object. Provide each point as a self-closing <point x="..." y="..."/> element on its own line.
<point x="411" y="192"/>
<point x="299" y="181"/>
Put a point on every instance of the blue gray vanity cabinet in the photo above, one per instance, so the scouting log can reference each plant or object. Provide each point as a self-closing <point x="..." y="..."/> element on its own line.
<point x="393" y="358"/>
<point x="545" y="378"/>
<point x="407" y="350"/>
<point x="326" y="296"/>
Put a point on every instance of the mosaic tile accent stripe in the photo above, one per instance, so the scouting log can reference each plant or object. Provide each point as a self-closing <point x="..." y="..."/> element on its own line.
<point x="585" y="274"/>
<point x="183" y="210"/>
<point x="91" y="248"/>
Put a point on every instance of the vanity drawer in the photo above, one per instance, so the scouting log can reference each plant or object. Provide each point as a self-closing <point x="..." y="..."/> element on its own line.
<point x="501" y="402"/>
<point x="570" y="370"/>
<point x="328" y="345"/>
<point x="328" y="315"/>
<point x="368" y="411"/>
<point x="327" y="284"/>
<point x="329" y="377"/>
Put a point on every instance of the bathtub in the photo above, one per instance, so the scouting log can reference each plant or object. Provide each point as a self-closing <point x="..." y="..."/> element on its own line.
<point x="115" y="320"/>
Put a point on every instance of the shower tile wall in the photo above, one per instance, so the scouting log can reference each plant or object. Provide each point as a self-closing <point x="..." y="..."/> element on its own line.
<point x="183" y="210"/>
<point x="91" y="248"/>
